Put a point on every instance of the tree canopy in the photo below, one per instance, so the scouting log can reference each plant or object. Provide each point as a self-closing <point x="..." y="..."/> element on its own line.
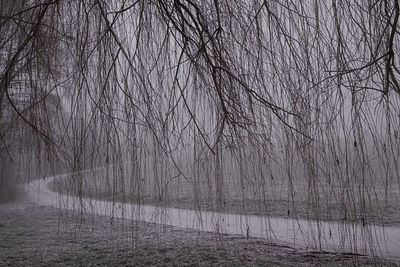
<point x="198" y="88"/>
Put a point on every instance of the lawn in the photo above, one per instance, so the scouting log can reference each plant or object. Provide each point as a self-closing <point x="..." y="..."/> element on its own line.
<point x="270" y="194"/>
<point x="34" y="235"/>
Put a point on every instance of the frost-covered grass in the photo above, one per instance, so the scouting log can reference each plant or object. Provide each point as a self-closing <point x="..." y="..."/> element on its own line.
<point x="270" y="197"/>
<point x="41" y="236"/>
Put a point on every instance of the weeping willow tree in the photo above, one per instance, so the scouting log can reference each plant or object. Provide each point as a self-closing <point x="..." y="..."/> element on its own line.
<point x="275" y="108"/>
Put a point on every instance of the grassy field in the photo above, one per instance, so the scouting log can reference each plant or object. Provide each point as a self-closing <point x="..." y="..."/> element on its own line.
<point x="41" y="236"/>
<point x="270" y="196"/>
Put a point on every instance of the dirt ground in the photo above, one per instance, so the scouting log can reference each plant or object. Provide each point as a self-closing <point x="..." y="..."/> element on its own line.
<point x="32" y="235"/>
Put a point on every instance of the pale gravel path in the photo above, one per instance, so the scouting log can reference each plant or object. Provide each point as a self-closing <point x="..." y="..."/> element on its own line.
<point x="36" y="235"/>
<point x="306" y="235"/>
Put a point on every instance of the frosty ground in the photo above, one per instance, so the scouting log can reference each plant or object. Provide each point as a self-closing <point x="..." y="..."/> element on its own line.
<point x="43" y="236"/>
<point x="240" y="196"/>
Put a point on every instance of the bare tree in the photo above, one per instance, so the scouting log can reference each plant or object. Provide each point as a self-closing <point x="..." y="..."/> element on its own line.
<point x="229" y="101"/>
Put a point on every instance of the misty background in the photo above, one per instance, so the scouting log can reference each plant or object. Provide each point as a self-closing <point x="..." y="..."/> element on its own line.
<point x="274" y="108"/>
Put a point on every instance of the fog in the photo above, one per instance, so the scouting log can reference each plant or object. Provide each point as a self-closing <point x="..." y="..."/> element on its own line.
<point x="276" y="109"/>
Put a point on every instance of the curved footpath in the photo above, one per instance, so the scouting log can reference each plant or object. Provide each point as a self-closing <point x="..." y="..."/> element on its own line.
<point x="308" y="235"/>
